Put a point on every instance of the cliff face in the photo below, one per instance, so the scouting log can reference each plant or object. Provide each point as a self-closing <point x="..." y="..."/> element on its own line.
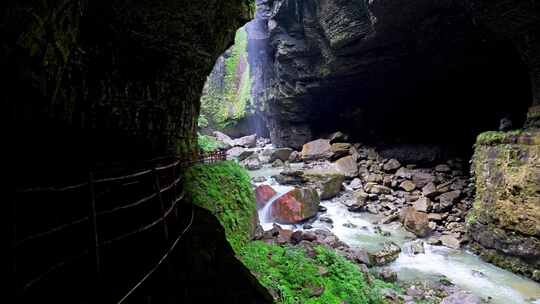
<point x="392" y="68"/>
<point x="504" y="223"/>
<point x="119" y="80"/>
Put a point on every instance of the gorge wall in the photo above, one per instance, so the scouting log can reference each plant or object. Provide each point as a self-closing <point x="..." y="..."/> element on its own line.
<point x="106" y="85"/>
<point x="410" y="71"/>
<point x="94" y="82"/>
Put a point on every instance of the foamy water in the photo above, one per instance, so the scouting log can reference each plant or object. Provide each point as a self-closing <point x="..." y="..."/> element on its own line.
<point x="464" y="269"/>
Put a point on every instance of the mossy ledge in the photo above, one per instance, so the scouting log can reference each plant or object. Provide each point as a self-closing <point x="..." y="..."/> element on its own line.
<point x="224" y="189"/>
<point x="320" y="276"/>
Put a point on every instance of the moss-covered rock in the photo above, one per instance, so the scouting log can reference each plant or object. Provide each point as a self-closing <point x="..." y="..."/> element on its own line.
<point x="225" y="189"/>
<point x="504" y="222"/>
<point x="320" y="275"/>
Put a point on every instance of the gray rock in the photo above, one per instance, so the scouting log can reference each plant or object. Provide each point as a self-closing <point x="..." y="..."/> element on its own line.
<point x="430" y="190"/>
<point x="282" y="154"/>
<point x="252" y="163"/>
<point x="277" y="163"/>
<point x="317" y="149"/>
<point x="245" y="154"/>
<point x="391" y="165"/>
<point x="423" y="204"/>
<point x="461" y="297"/>
<point x="249" y="141"/>
<point x="450" y="241"/>
<point x="338" y="137"/>
<point x="447" y="200"/>
<point x="347" y="166"/>
<point x="388" y="275"/>
<point x="407" y="186"/>
<point x="234" y="152"/>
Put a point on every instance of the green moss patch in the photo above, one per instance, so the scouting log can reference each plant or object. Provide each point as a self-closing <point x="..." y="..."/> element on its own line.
<point x="226" y="97"/>
<point x="296" y="277"/>
<point x="224" y="189"/>
<point x="208" y="143"/>
<point x="496" y="137"/>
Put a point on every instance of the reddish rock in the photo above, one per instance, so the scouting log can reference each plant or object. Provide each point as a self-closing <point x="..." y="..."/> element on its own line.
<point x="296" y="206"/>
<point x="263" y="194"/>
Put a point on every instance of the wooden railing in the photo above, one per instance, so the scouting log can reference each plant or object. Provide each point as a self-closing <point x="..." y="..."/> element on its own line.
<point x="102" y="238"/>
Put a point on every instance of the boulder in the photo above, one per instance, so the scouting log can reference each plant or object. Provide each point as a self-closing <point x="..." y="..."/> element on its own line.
<point x="317" y="149"/>
<point x="392" y="165"/>
<point x="450" y="241"/>
<point x="224" y="138"/>
<point x="234" y="152"/>
<point x="296" y="206"/>
<point x="338" y="137"/>
<point x="347" y="166"/>
<point x="430" y="190"/>
<point x="282" y="154"/>
<point x="420" y="179"/>
<point x="295" y="157"/>
<point x="340" y="150"/>
<point x="423" y="204"/>
<point x="263" y="194"/>
<point x="416" y="222"/>
<point x="461" y="297"/>
<point x="290" y="177"/>
<point x="407" y="185"/>
<point x="252" y="163"/>
<point x="277" y="163"/>
<point x="374" y="178"/>
<point x="249" y="141"/>
<point x="245" y="154"/>
<point x="447" y="200"/>
<point x="388" y="275"/>
<point x="377" y="189"/>
<point x="386" y="255"/>
<point x="328" y="182"/>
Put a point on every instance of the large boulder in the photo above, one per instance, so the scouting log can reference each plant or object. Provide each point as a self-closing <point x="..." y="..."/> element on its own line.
<point x="249" y="141"/>
<point x="317" y="149"/>
<point x="340" y="150"/>
<point x="387" y="254"/>
<point x="252" y="162"/>
<point x="263" y="194"/>
<point x="224" y="138"/>
<point x="347" y="166"/>
<point x="415" y="221"/>
<point x="282" y="154"/>
<point x="296" y="206"/>
<point x="327" y="181"/>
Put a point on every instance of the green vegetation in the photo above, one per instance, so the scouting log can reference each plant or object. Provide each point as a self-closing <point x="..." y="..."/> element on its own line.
<point x="226" y="97"/>
<point x="496" y="137"/>
<point x="208" y="143"/>
<point x="224" y="188"/>
<point x="297" y="278"/>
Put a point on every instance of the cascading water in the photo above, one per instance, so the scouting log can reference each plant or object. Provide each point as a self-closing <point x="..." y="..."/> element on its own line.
<point x="459" y="266"/>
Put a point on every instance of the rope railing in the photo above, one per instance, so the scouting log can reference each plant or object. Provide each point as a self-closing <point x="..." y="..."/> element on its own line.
<point x="96" y="245"/>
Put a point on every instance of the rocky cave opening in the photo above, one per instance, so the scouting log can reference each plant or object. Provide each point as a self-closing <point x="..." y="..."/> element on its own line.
<point x="424" y="102"/>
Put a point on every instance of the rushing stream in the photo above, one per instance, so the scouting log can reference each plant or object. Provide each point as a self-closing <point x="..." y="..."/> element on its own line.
<point x="462" y="268"/>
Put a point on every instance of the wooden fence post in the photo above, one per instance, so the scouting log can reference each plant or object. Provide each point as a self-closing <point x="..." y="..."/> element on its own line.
<point x="161" y="203"/>
<point x="94" y="249"/>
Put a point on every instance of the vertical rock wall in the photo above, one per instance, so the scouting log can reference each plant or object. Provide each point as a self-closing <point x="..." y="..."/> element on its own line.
<point x="93" y="82"/>
<point x="504" y="223"/>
